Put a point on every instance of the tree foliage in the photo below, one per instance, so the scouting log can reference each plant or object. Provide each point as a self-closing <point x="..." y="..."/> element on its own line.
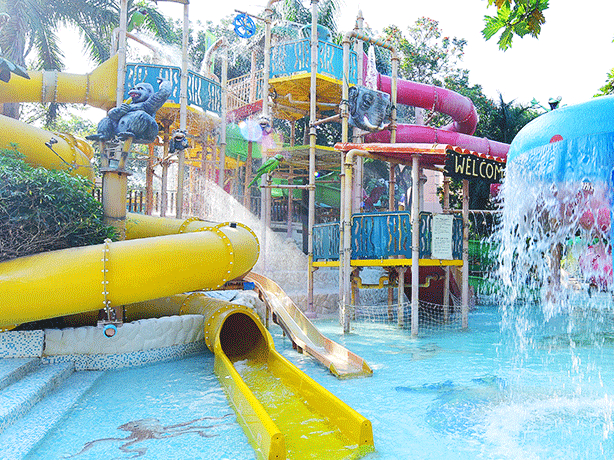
<point x="608" y="87"/>
<point x="514" y="17"/>
<point x="426" y="55"/>
<point x="43" y="210"/>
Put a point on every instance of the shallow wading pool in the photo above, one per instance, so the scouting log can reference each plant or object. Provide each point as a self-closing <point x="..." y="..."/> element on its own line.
<point x="448" y="395"/>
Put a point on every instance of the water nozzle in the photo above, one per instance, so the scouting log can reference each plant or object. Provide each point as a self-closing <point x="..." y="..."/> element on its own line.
<point x="109" y="330"/>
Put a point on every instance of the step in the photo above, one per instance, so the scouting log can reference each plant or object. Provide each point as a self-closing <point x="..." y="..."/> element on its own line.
<point x="21" y="437"/>
<point x="22" y="344"/>
<point x="14" y="369"/>
<point x="17" y="399"/>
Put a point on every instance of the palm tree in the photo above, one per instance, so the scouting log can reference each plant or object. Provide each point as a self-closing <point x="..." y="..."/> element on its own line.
<point x="293" y="10"/>
<point x="33" y="26"/>
<point x="510" y="118"/>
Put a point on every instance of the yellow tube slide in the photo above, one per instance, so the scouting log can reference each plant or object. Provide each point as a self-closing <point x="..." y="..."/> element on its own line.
<point x="69" y="153"/>
<point x="283" y="412"/>
<point x="144" y="226"/>
<point x="77" y="280"/>
<point x="97" y="88"/>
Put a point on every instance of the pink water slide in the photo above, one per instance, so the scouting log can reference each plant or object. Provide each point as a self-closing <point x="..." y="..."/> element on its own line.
<point x="441" y="100"/>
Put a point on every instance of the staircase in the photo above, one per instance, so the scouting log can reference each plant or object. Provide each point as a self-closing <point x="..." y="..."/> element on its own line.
<point x="33" y="398"/>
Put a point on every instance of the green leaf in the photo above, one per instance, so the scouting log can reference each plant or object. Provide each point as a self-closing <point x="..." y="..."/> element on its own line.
<point x="505" y="41"/>
<point x="493" y="25"/>
<point x="520" y="29"/>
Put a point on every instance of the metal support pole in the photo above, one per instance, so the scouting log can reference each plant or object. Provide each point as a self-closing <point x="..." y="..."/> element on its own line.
<point x="248" y="176"/>
<point x="344" y="257"/>
<point x="446" y="286"/>
<point x="401" y="295"/>
<point x="415" y="245"/>
<point x="290" y="209"/>
<point x="265" y="216"/>
<point x="465" y="288"/>
<point x="344" y="112"/>
<point x="291" y="192"/>
<point x="265" y="196"/>
<point x="149" y="174"/>
<point x="121" y="52"/>
<point x="312" y="150"/>
<point x="164" y="178"/>
<point x="183" y="108"/>
<point x="268" y="13"/>
<point x="358" y="170"/>
<point x="222" y="165"/>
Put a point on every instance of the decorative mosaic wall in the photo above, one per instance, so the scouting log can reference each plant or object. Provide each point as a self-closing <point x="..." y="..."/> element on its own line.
<point x="102" y="362"/>
<point x="135" y="344"/>
<point x="21" y="344"/>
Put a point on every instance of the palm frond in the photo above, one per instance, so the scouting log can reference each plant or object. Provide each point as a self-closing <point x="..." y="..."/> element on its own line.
<point x="96" y="45"/>
<point x="157" y="23"/>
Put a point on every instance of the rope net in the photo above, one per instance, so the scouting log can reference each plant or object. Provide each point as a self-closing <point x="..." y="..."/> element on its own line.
<point x="432" y="318"/>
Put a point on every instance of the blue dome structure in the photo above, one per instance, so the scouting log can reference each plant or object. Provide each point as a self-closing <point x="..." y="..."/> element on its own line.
<point x="573" y="143"/>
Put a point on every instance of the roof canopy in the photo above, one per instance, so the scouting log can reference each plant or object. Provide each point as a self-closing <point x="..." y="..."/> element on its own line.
<point x="452" y="160"/>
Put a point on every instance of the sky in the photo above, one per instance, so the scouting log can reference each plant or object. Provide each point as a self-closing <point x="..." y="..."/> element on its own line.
<point x="571" y="58"/>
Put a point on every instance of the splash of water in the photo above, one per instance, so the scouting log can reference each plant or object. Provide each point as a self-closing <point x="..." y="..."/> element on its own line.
<point x="281" y="260"/>
<point x="371" y="76"/>
<point x="554" y="243"/>
<point x="163" y="53"/>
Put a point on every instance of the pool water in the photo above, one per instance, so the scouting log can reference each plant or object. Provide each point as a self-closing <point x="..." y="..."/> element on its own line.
<point x="446" y="395"/>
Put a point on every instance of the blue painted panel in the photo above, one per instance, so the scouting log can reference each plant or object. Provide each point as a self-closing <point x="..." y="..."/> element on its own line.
<point x="426" y="234"/>
<point x="290" y="58"/>
<point x="381" y="235"/>
<point x="294" y="57"/>
<point x="326" y="241"/>
<point x="202" y="92"/>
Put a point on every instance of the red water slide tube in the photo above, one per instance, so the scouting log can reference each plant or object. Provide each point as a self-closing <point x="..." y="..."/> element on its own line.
<point x="441" y="100"/>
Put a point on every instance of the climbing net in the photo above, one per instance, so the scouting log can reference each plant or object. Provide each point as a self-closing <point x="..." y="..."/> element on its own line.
<point x="432" y="317"/>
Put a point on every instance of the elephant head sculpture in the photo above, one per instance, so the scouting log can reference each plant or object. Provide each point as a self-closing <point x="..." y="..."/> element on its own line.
<point x="369" y="109"/>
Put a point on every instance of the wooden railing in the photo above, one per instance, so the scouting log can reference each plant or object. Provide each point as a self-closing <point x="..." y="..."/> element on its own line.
<point x="245" y="89"/>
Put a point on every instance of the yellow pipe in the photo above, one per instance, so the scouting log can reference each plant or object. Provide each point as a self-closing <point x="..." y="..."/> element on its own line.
<point x="76" y="280"/>
<point x="96" y="88"/>
<point x="244" y="240"/>
<point x="71" y="154"/>
<point x="144" y="226"/>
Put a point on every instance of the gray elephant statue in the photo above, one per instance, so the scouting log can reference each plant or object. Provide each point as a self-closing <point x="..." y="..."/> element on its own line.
<point x="369" y="109"/>
<point x="136" y="119"/>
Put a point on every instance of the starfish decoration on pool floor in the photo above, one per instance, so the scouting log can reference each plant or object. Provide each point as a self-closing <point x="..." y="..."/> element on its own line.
<point x="150" y="428"/>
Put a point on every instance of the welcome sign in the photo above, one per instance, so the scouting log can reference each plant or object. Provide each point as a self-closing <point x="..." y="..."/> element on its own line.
<point x="467" y="166"/>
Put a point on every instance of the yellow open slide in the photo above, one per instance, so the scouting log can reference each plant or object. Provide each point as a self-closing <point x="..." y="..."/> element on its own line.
<point x="283" y="412"/>
<point x="304" y="335"/>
